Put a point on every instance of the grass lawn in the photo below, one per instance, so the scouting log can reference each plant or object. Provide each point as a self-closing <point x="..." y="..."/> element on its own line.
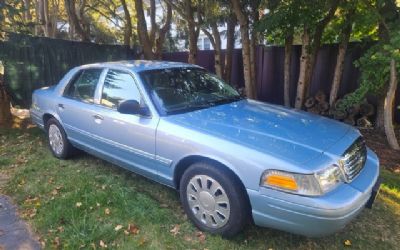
<point x="87" y="203"/>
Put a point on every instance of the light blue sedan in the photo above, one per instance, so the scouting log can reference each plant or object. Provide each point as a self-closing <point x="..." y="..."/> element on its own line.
<point x="233" y="160"/>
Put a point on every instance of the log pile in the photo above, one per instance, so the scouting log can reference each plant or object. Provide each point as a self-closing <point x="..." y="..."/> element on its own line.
<point x="359" y="115"/>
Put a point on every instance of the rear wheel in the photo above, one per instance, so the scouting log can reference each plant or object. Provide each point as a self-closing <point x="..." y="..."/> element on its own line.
<point x="58" y="142"/>
<point x="213" y="199"/>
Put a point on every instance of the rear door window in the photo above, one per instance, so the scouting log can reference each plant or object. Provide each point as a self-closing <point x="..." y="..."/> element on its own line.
<point x="83" y="86"/>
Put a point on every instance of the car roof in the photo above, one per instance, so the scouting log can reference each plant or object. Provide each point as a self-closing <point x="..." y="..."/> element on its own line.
<point x="141" y="65"/>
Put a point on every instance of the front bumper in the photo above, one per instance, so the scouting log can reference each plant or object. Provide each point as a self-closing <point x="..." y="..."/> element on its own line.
<point x="315" y="216"/>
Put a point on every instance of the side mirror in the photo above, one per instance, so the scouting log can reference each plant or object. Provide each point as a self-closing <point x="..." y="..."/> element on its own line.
<point x="132" y="107"/>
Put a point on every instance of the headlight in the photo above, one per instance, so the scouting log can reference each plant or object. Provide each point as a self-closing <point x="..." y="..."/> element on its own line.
<point x="329" y="178"/>
<point x="303" y="184"/>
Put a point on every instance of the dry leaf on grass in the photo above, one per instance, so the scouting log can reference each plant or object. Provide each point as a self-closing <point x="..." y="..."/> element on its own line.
<point x="133" y="229"/>
<point x="175" y="230"/>
<point x="118" y="227"/>
<point x="201" y="236"/>
<point x="142" y="241"/>
<point x="107" y="211"/>
<point x="78" y="204"/>
<point x="102" y="244"/>
<point x="57" y="241"/>
<point x="347" y="243"/>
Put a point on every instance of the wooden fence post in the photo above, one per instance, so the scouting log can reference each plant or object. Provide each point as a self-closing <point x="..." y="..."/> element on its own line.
<point x="5" y="113"/>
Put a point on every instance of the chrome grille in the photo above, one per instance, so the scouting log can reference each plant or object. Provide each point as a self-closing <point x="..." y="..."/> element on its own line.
<point x="354" y="159"/>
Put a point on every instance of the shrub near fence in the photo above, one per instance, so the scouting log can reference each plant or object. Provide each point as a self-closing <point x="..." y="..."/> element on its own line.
<point x="34" y="62"/>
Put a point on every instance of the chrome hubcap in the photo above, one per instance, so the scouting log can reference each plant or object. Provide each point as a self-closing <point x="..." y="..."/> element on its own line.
<point x="208" y="201"/>
<point x="55" y="138"/>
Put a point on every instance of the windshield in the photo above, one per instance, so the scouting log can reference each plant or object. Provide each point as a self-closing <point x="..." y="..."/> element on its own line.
<point x="177" y="90"/>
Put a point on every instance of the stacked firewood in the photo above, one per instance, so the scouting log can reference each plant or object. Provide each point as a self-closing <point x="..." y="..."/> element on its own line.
<point x="317" y="104"/>
<point x="359" y="115"/>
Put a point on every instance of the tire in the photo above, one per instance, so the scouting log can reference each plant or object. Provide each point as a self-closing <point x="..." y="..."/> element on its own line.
<point x="214" y="199"/>
<point x="57" y="139"/>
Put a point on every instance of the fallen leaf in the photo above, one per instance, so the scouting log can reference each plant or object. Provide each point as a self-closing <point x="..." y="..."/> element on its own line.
<point x="133" y="229"/>
<point x="188" y="238"/>
<point x="32" y="213"/>
<point x="37" y="204"/>
<point x="54" y="192"/>
<point x="78" y="204"/>
<point x="60" y="229"/>
<point x="201" y="236"/>
<point x="102" y="244"/>
<point x="43" y="244"/>
<point x="107" y="211"/>
<point x="347" y="243"/>
<point x="175" y="230"/>
<point x="142" y="241"/>
<point x="118" y="227"/>
<point x="126" y="232"/>
<point x="57" y="241"/>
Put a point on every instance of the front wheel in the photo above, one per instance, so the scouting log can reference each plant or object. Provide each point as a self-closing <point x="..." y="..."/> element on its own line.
<point x="213" y="199"/>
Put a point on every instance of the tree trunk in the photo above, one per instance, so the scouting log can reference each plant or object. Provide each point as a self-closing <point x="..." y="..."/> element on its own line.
<point x="27" y="11"/>
<point x="304" y="65"/>
<point x="286" y="74"/>
<point x="218" y="62"/>
<point x="142" y="31"/>
<point x="47" y="20"/>
<point x="312" y="52"/>
<point x="254" y="40"/>
<point x="246" y="51"/>
<point x="73" y="17"/>
<point x="5" y="113"/>
<point x="193" y="33"/>
<point x="389" y="103"/>
<point x="163" y="32"/>
<point x="128" y="24"/>
<point x="230" y="46"/>
<point x="337" y="76"/>
<point x="40" y="17"/>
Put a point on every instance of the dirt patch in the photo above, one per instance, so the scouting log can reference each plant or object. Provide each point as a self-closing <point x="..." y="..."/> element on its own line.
<point x="389" y="158"/>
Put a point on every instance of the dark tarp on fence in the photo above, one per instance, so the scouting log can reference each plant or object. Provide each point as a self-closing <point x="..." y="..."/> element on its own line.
<point x="34" y="62"/>
<point x="206" y="59"/>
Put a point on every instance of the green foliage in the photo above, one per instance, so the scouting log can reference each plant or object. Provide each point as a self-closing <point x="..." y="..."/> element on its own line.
<point x="375" y="63"/>
<point x="11" y="17"/>
<point x="364" y="21"/>
<point x="289" y="17"/>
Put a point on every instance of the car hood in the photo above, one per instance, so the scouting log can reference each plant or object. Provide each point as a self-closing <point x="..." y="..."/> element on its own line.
<point x="288" y="134"/>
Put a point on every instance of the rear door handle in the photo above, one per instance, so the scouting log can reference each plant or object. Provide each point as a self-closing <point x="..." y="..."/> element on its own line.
<point x="98" y="117"/>
<point x="61" y="106"/>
